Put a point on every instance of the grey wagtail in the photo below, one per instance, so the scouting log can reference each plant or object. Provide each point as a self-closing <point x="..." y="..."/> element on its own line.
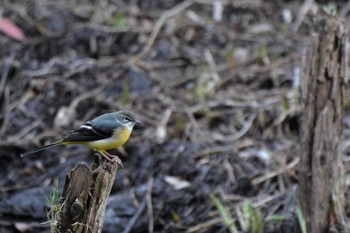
<point x="105" y="132"/>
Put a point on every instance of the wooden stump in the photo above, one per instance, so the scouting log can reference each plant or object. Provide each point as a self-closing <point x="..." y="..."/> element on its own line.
<point x="321" y="192"/>
<point x="84" y="197"/>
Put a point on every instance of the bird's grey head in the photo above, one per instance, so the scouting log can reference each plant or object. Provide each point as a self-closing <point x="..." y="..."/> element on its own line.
<point x="127" y="118"/>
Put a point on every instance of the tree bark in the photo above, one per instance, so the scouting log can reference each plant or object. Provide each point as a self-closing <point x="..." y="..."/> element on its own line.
<point x="321" y="191"/>
<point x="84" y="197"/>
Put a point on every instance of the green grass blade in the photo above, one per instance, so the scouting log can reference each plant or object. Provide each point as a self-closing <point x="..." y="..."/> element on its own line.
<point x="225" y="215"/>
<point x="301" y="219"/>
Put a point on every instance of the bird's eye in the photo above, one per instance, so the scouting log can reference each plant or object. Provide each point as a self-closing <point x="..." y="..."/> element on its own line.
<point x="127" y="119"/>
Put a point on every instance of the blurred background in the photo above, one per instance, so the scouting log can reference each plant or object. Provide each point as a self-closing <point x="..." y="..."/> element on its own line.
<point x="216" y="84"/>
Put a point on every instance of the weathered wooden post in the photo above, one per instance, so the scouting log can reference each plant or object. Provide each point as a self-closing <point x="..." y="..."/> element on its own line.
<point x="84" y="197"/>
<point x="325" y="74"/>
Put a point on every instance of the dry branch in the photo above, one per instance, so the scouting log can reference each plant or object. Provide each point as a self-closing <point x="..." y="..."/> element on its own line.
<point x="323" y="89"/>
<point x="84" y="197"/>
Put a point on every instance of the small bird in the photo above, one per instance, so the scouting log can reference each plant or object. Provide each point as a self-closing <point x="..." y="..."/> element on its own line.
<point x="105" y="132"/>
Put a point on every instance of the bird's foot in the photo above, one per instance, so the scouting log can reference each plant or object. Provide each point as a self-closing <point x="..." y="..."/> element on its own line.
<point x="112" y="158"/>
<point x="117" y="161"/>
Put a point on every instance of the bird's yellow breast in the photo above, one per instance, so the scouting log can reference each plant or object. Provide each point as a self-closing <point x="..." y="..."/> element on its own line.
<point x="119" y="137"/>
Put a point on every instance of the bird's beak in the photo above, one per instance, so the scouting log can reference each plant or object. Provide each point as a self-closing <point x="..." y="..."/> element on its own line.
<point x="138" y="122"/>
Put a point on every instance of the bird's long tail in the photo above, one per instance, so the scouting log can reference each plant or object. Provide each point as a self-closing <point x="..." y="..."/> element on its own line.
<point x="41" y="148"/>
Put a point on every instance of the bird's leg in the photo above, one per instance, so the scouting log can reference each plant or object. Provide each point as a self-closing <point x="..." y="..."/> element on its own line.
<point x="109" y="155"/>
<point x="106" y="156"/>
<point x="115" y="158"/>
<point x="112" y="158"/>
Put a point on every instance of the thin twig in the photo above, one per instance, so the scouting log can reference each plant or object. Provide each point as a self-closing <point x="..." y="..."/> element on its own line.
<point x="5" y="73"/>
<point x="246" y="126"/>
<point x="273" y="174"/>
<point x="134" y="218"/>
<point x="158" y="25"/>
<point x="301" y="15"/>
<point x="204" y="225"/>
<point x="212" y="66"/>
<point x="149" y="205"/>
<point x="5" y="111"/>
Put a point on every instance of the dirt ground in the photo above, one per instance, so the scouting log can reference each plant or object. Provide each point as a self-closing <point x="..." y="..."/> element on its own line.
<point x="216" y="86"/>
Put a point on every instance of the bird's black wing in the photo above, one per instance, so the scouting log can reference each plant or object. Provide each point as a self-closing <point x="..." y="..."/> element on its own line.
<point x="92" y="131"/>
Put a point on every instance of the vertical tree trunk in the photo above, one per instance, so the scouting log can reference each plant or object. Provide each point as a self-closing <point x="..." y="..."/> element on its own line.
<point x="323" y="88"/>
<point x="84" y="197"/>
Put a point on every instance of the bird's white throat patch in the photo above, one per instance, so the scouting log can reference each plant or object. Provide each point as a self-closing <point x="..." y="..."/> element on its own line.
<point x="129" y="125"/>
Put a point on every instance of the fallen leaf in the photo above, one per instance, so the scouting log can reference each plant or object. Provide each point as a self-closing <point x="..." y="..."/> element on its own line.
<point x="176" y="182"/>
<point x="23" y="227"/>
<point x="12" y="30"/>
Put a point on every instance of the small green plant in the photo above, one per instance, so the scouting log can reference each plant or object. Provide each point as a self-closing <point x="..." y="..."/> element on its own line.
<point x="224" y="213"/>
<point x="125" y="92"/>
<point x="231" y="51"/>
<point x="301" y="219"/>
<point x="55" y="207"/>
<point x="263" y="53"/>
<point x="331" y="8"/>
<point x="347" y="104"/>
<point x="206" y="86"/>
<point x="180" y="123"/>
<point x="119" y="20"/>
<point x="251" y="219"/>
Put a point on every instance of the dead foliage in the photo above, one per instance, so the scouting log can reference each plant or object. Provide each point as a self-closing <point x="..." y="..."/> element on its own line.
<point x="216" y="85"/>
